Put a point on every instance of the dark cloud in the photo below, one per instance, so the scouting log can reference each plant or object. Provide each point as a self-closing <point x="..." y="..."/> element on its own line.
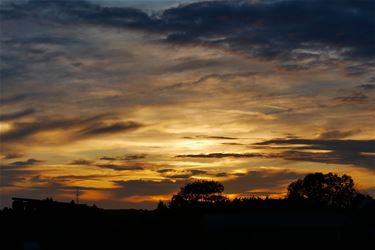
<point x="215" y="76"/>
<point x="210" y="137"/>
<point x="81" y="162"/>
<point x="113" y="166"/>
<point x="106" y="158"/>
<point x="292" y="67"/>
<point x="112" y="128"/>
<point x="181" y="174"/>
<point x="221" y="138"/>
<point x="75" y="128"/>
<point x="197" y="171"/>
<point x="221" y="155"/>
<point x="125" y="158"/>
<point x="367" y="87"/>
<point x="286" y="30"/>
<point x="335" y="157"/>
<point x="23" y="130"/>
<point x="11" y="176"/>
<point x="29" y="162"/>
<point x="275" y="29"/>
<point x="356" y="70"/>
<point x="165" y="170"/>
<point x="69" y="178"/>
<point x="356" y="97"/>
<point x="16" y="115"/>
<point x="337" y="134"/>
<point x="67" y="11"/>
<point x="13" y="99"/>
<point x="221" y="174"/>
<point x="135" y="157"/>
<point x="353" y="152"/>
<point x="336" y="145"/>
<point x="119" y="167"/>
<point x="232" y="144"/>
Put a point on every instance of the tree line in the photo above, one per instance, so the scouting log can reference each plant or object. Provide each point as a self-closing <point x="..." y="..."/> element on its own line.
<point x="314" y="191"/>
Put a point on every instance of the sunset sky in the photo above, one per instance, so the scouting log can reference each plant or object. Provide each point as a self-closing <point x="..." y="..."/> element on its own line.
<point x="131" y="99"/>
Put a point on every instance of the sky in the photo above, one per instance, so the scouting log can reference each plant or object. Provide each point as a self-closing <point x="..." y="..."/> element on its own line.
<point x="130" y="100"/>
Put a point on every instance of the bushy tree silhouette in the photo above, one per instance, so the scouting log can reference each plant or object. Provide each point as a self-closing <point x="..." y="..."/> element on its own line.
<point x="323" y="190"/>
<point x="199" y="193"/>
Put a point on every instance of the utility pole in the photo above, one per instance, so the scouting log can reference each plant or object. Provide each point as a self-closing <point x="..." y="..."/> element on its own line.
<point x="77" y="195"/>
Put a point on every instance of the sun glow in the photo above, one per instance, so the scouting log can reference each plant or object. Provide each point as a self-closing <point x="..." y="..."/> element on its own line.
<point x="5" y="127"/>
<point x="195" y="144"/>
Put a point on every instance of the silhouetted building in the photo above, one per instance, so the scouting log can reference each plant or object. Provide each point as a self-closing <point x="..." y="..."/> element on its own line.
<point x="34" y="205"/>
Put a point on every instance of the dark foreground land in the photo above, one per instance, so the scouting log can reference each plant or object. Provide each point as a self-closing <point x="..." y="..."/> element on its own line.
<point x="70" y="226"/>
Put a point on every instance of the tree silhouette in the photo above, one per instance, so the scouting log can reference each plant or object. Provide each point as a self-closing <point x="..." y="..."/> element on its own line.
<point x="199" y="193"/>
<point x="323" y="190"/>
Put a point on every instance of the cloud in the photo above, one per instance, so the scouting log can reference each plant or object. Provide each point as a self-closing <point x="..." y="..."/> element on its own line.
<point x="281" y="29"/>
<point x="337" y="134"/>
<point x="81" y="162"/>
<point x="106" y="158"/>
<point x="126" y="157"/>
<point x="232" y="144"/>
<point x="112" y="128"/>
<point x="286" y="30"/>
<point x="367" y="87"/>
<point x="16" y="115"/>
<point x="210" y="137"/>
<point x="113" y="166"/>
<point x="353" y="152"/>
<point x="77" y="128"/>
<point x="13" y="99"/>
<point x="221" y="174"/>
<point x="165" y="170"/>
<point x="335" y="157"/>
<point x="29" y="162"/>
<point x="222" y="77"/>
<point x="10" y="177"/>
<point x="337" y="145"/>
<point x="120" y="167"/>
<point x="355" y="98"/>
<point x="181" y="174"/>
<point x="18" y="171"/>
<point x="134" y="157"/>
<point x="221" y="155"/>
<point x="25" y="129"/>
